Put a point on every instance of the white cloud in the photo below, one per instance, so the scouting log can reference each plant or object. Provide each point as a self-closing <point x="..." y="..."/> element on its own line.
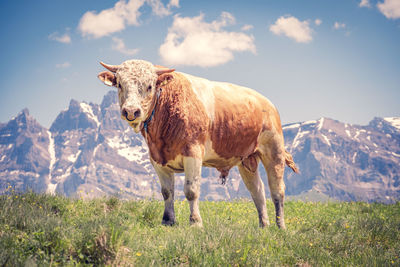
<point x="318" y="22"/>
<point x="159" y="9"/>
<point x="173" y="3"/>
<point x="364" y="3"/>
<point x="119" y="45"/>
<point x="115" y="19"/>
<point x="65" y="38"/>
<point x="63" y="65"/>
<point x="110" y="20"/>
<point x="291" y="27"/>
<point x="192" y="41"/>
<point x="339" y="25"/>
<point x="247" y="27"/>
<point x="390" y="8"/>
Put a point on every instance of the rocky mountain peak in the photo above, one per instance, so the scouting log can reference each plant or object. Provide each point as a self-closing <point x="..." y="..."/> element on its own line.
<point x="24" y="153"/>
<point x="22" y="124"/>
<point x="79" y="115"/>
<point x="390" y="126"/>
<point x="110" y="98"/>
<point x="393" y="122"/>
<point x="110" y="113"/>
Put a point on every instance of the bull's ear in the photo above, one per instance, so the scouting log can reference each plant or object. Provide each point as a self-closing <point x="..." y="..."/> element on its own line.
<point x="164" y="79"/>
<point x="108" y="78"/>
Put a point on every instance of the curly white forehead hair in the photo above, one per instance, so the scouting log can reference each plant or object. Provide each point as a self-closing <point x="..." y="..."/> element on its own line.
<point x="139" y="72"/>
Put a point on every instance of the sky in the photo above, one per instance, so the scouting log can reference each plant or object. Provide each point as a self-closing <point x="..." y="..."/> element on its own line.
<point x="333" y="58"/>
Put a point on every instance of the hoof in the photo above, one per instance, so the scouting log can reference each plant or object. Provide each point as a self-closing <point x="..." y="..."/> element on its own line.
<point x="168" y="218"/>
<point x="264" y="224"/>
<point x="196" y="222"/>
<point x="281" y="226"/>
<point x="168" y="223"/>
<point x="263" y="221"/>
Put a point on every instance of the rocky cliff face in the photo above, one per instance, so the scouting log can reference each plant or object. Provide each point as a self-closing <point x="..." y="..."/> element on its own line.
<point x="346" y="162"/>
<point x="24" y="154"/>
<point x="89" y="151"/>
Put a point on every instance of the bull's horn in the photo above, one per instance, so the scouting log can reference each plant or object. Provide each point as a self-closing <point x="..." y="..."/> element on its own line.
<point x="161" y="70"/>
<point x="112" y="68"/>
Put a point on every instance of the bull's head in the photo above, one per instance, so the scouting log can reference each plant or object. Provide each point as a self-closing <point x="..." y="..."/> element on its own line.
<point x="136" y="81"/>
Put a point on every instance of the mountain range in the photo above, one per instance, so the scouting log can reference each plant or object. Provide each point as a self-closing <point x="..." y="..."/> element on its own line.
<point x="89" y="151"/>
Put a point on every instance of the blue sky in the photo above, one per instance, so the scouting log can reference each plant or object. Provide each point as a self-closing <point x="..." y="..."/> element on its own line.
<point x="311" y="58"/>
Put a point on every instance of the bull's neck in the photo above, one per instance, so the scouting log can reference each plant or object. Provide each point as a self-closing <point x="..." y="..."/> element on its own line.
<point x="153" y="110"/>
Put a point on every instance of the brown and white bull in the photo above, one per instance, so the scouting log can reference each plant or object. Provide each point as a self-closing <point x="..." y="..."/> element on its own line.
<point x="189" y="122"/>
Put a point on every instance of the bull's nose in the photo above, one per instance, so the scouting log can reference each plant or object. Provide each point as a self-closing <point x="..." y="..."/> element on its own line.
<point x="130" y="113"/>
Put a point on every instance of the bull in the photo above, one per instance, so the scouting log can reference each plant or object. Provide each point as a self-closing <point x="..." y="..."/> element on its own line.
<point x="189" y="122"/>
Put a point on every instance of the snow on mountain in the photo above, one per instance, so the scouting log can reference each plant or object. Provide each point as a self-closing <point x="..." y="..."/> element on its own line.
<point x="51" y="187"/>
<point x="394" y="121"/>
<point x="134" y="153"/>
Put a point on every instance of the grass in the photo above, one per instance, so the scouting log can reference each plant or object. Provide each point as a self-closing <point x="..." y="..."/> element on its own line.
<point x="52" y="230"/>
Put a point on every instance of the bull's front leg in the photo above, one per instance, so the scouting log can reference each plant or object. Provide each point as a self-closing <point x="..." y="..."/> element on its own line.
<point x="191" y="187"/>
<point x="167" y="181"/>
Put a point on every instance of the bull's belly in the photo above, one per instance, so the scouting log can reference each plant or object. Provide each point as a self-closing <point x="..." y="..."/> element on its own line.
<point x="219" y="163"/>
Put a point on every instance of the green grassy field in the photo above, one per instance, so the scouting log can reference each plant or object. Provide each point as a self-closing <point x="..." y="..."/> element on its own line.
<point x="50" y="230"/>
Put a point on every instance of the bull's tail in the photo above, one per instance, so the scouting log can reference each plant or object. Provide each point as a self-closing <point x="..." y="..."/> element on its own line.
<point x="289" y="161"/>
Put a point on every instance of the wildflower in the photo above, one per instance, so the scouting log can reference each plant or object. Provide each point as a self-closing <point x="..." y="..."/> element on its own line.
<point x="138" y="254"/>
<point x="311" y="244"/>
<point x="237" y="251"/>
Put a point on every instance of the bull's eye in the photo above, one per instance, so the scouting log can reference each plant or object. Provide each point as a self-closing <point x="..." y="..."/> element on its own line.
<point x="149" y="88"/>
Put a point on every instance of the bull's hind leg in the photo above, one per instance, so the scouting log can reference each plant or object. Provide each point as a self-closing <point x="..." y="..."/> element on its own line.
<point x="255" y="185"/>
<point x="274" y="163"/>
<point x="191" y="188"/>
<point x="167" y="181"/>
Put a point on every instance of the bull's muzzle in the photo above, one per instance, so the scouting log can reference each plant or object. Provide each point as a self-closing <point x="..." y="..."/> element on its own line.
<point x="130" y="114"/>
